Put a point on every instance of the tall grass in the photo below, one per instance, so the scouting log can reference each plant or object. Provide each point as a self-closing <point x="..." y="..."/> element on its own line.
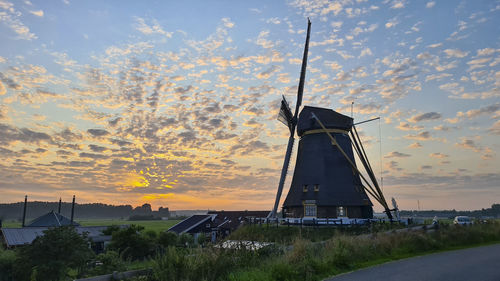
<point x="287" y="234"/>
<point x="308" y="260"/>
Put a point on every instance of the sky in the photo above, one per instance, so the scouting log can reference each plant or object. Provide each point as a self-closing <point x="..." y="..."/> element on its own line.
<point x="175" y="103"/>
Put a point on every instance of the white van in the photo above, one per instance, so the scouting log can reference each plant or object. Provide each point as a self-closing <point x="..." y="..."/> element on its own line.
<point x="462" y="220"/>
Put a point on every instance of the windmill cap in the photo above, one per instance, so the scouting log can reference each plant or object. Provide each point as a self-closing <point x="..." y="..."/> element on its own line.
<point x="330" y="119"/>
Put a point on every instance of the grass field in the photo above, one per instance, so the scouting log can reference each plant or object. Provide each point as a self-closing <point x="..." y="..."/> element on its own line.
<point x="156" y="225"/>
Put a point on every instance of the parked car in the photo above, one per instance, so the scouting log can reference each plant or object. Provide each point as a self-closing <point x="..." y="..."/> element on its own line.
<point x="462" y="220"/>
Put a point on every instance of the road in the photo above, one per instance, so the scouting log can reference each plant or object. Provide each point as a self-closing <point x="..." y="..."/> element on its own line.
<point x="474" y="264"/>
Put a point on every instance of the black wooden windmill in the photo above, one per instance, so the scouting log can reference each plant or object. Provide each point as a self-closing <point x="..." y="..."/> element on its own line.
<point x="326" y="182"/>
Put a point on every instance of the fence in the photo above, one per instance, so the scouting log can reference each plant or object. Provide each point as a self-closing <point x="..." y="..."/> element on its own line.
<point x="344" y="221"/>
<point x="117" y="275"/>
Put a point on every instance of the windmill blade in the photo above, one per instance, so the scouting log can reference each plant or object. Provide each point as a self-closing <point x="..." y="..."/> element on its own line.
<point x="285" y="115"/>
<point x="284" y="171"/>
<point x="396" y="209"/>
<point x="303" y="71"/>
<point x="291" y="123"/>
<point x="394" y="204"/>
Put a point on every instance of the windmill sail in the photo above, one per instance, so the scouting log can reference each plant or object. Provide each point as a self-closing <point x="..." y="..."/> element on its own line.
<point x="293" y="123"/>
<point x="286" y="116"/>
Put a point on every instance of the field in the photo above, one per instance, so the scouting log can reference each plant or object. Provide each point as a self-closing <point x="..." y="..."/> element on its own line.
<point x="155" y="225"/>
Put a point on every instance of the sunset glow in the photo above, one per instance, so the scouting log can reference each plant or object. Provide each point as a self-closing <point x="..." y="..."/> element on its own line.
<point x="174" y="103"/>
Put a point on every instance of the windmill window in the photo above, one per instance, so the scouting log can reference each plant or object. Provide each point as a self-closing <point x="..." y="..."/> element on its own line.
<point x="316" y="187"/>
<point x="310" y="210"/>
<point x="304" y="188"/>
<point x="340" y="212"/>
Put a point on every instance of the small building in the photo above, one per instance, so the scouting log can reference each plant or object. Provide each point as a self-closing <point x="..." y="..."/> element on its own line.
<point x="15" y="237"/>
<point x="215" y="224"/>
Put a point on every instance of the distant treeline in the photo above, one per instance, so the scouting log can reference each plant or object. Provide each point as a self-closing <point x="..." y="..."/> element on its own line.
<point x="494" y="212"/>
<point x="14" y="211"/>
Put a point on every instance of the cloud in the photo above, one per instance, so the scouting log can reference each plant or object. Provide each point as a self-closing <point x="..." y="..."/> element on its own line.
<point x="227" y="22"/>
<point x="98" y="132"/>
<point x="486" y="52"/>
<point x="425" y="117"/>
<point x="10" y="134"/>
<point x="154" y="28"/>
<point x="398" y="4"/>
<point x="495" y="129"/>
<point x="438" y="155"/>
<point x="455" y="53"/>
<point x="403" y="126"/>
<point x="38" y="13"/>
<point x="490" y="109"/>
<point x="468" y="144"/>
<point x="437" y="76"/>
<point x="422" y="136"/>
<point x="366" y="52"/>
<point x="11" y="18"/>
<point x="396" y="154"/>
<point x="97" y="148"/>
<point x="392" y="23"/>
<point x="266" y="74"/>
<point x="415" y="145"/>
<point x="430" y="4"/>
<point x="2" y="89"/>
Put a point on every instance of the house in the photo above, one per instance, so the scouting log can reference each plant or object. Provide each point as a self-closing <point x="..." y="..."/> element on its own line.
<point x="215" y="224"/>
<point x="15" y="237"/>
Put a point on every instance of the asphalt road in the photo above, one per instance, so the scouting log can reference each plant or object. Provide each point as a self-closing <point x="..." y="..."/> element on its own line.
<point x="474" y="264"/>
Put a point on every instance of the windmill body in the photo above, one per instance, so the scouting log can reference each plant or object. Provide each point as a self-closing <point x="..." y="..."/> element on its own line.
<point x="324" y="185"/>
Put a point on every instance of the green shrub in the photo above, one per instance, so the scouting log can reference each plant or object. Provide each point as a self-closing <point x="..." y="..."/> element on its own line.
<point x="131" y="243"/>
<point x="185" y="240"/>
<point x="7" y="261"/>
<point x="109" y="262"/>
<point x="167" y="239"/>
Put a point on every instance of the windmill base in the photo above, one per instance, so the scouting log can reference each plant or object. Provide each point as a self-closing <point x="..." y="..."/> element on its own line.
<point x="359" y="212"/>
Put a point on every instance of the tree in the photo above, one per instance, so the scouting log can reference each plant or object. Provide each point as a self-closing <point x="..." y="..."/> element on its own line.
<point x="51" y="256"/>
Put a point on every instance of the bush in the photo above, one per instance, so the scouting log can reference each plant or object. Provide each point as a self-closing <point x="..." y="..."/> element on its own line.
<point x="185" y="240"/>
<point x="167" y="239"/>
<point x="131" y="243"/>
<point x="7" y="260"/>
<point x="109" y="262"/>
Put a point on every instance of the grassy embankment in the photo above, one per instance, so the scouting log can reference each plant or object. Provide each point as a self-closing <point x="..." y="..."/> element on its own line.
<point x="308" y="260"/>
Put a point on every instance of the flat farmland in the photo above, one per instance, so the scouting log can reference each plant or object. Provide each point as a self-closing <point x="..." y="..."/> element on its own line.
<point x="155" y="225"/>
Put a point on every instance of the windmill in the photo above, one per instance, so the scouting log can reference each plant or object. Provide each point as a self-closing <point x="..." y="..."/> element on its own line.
<point x="326" y="181"/>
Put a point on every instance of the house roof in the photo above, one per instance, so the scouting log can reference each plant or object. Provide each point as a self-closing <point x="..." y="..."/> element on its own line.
<point x="26" y="235"/>
<point x="51" y="219"/>
<point x="190" y="223"/>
